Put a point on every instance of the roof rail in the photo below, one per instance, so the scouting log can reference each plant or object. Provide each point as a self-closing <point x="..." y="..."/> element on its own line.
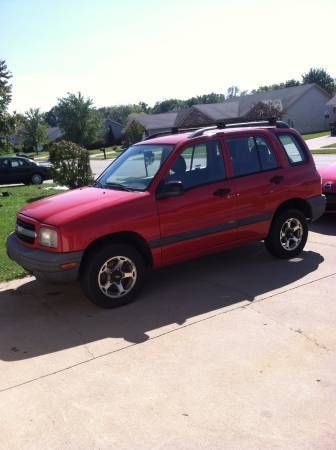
<point x="173" y="130"/>
<point x="238" y="123"/>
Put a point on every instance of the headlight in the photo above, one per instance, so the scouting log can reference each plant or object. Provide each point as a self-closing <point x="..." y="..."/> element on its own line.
<point x="48" y="237"/>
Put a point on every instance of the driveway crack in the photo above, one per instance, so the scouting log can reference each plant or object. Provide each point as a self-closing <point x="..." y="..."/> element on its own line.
<point x="79" y="334"/>
<point x="294" y="330"/>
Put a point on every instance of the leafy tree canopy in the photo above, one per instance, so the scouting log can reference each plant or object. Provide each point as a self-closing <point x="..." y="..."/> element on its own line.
<point x="119" y="113"/>
<point x="5" y="87"/>
<point x="78" y="119"/>
<point x="321" y="77"/>
<point x="35" y="131"/>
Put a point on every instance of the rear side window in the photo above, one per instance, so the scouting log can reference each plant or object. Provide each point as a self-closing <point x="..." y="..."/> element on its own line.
<point x="293" y="149"/>
<point x="251" y="154"/>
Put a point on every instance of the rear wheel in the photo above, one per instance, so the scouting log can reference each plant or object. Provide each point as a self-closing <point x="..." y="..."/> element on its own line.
<point x="112" y="276"/>
<point x="288" y="234"/>
<point x="36" y="178"/>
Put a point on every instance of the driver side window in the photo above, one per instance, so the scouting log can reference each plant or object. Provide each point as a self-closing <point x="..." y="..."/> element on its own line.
<point x="198" y="164"/>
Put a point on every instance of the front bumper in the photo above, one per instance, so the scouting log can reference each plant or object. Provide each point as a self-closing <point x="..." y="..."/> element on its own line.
<point x="43" y="264"/>
<point x="317" y="206"/>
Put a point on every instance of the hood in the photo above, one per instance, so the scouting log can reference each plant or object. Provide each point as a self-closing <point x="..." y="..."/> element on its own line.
<point x="328" y="173"/>
<point x="72" y="205"/>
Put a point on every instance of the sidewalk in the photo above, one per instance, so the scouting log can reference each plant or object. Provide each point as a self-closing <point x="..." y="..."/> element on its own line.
<point x="321" y="142"/>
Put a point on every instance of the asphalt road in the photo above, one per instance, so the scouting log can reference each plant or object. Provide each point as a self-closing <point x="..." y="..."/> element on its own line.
<point x="231" y="351"/>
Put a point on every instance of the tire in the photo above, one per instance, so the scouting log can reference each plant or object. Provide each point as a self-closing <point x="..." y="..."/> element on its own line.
<point x="288" y="234"/>
<point x="102" y="276"/>
<point x="36" y="178"/>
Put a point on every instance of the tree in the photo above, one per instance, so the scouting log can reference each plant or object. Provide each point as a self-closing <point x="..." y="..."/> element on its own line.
<point x="120" y="113"/>
<point x="271" y="87"/>
<point x="321" y="77"/>
<point x="203" y="99"/>
<point x="35" y="131"/>
<point x="78" y="119"/>
<point x="71" y="164"/>
<point x="232" y="92"/>
<point x="134" y="133"/>
<point x="291" y="83"/>
<point x="264" y="110"/>
<point x="8" y="126"/>
<point x="6" y="120"/>
<point x="50" y="117"/>
<point x="5" y="87"/>
<point x="169" y="105"/>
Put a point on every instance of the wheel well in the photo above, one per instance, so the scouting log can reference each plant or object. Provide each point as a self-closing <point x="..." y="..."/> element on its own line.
<point x="296" y="203"/>
<point x="125" y="237"/>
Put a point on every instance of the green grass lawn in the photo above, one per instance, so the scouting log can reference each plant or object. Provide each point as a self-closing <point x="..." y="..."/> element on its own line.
<point x="8" y="208"/>
<point x="324" y="151"/>
<point x="315" y="135"/>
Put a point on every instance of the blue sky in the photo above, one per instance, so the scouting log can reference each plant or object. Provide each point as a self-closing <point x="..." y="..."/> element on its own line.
<point x="130" y="51"/>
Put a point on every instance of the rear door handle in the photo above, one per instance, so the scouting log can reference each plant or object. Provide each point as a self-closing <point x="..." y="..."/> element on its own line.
<point x="277" y="179"/>
<point x="222" y="192"/>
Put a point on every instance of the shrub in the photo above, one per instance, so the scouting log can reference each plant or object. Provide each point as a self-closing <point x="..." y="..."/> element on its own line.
<point x="134" y="133"/>
<point x="71" y="164"/>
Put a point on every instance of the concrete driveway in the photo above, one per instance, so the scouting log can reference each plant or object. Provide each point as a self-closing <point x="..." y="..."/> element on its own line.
<point x="234" y="351"/>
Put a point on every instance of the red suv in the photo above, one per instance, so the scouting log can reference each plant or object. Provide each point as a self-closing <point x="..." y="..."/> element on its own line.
<point x="172" y="198"/>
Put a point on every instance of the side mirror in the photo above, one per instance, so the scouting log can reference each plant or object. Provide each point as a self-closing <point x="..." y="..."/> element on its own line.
<point x="169" y="189"/>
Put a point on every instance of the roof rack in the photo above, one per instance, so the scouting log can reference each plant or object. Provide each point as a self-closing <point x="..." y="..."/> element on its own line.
<point x="238" y="123"/>
<point x="228" y="123"/>
<point x="173" y="130"/>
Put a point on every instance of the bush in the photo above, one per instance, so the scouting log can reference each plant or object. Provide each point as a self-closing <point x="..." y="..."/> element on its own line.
<point x="5" y="147"/>
<point x="71" y="164"/>
<point x="134" y="133"/>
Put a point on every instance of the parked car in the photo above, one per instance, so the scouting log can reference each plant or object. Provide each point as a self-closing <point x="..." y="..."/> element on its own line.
<point x="15" y="169"/>
<point x="169" y="199"/>
<point x="328" y="176"/>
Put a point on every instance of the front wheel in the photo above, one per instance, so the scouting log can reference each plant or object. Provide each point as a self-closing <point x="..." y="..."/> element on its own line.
<point x="112" y="276"/>
<point x="288" y="234"/>
<point x="36" y="179"/>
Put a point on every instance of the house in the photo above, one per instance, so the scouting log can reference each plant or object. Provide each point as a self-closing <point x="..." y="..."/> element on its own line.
<point x="112" y="131"/>
<point x="302" y="107"/>
<point x="153" y="123"/>
<point x="331" y="110"/>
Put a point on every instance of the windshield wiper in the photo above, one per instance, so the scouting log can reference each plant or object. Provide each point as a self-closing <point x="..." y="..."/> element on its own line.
<point x="118" y="186"/>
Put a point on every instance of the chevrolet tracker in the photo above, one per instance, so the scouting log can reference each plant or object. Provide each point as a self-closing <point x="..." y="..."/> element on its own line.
<point x="171" y="198"/>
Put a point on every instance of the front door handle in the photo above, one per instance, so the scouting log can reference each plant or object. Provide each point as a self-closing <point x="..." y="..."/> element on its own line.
<point x="222" y="192"/>
<point x="277" y="179"/>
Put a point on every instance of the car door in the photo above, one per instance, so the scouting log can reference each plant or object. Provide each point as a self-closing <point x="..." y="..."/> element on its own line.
<point x="19" y="170"/>
<point x="201" y="219"/>
<point x="259" y="183"/>
<point x="4" y="171"/>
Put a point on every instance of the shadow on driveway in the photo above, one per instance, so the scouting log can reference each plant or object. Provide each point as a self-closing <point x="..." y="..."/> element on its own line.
<point x="39" y="319"/>
<point x="325" y="225"/>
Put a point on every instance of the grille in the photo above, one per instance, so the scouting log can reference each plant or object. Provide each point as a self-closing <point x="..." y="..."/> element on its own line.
<point x="25" y="231"/>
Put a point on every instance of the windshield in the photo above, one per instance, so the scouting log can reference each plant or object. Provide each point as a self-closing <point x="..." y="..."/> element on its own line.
<point x="135" y="168"/>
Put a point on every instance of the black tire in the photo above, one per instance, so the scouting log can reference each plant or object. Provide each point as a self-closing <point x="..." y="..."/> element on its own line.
<point x="92" y="274"/>
<point x="36" y="178"/>
<point x="278" y="239"/>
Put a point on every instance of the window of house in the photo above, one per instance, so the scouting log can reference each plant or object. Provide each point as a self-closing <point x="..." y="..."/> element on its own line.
<point x="294" y="151"/>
